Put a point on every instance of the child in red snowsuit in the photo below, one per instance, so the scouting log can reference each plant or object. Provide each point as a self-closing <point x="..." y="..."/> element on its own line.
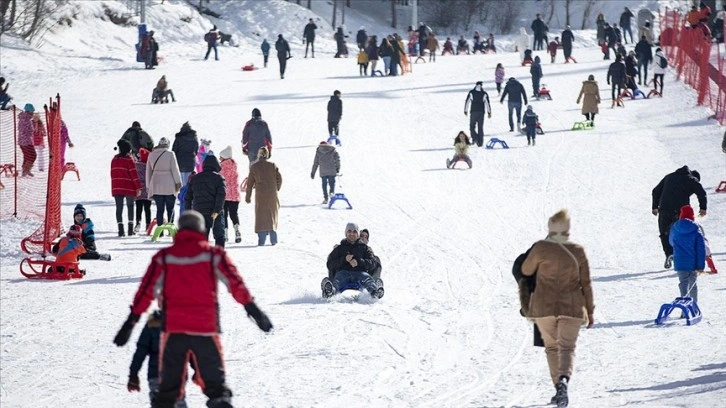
<point x="552" y="48"/>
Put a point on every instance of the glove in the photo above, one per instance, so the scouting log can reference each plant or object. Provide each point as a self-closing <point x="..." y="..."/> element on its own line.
<point x="177" y="187"/>
<point x="215" y="215"/>
<point x="260" y="318"/>
<point x="244" y="151"/>
<point x="490" y="115"/>
<point x="133" y="384"/>
<point x="247" y="200"/>
<point x="608" y="82"/>
<point x="122" y="337"/>
<point x="465" y="113"/>
<point x="312" y="176"/>
<point x="655" y="211"/>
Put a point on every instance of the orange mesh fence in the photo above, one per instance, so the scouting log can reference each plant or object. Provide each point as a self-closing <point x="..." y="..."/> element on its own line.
<point x="31" y="173"/>
<point x="696" y="59"/>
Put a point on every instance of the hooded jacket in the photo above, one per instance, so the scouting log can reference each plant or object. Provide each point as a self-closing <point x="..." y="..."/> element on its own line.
<point x="328" y="159"/>
<point x="616" y="73"/>
<point x="335" y="109"/>
<point x="186" y="146"/>
<point x="231" y="177"/>
<point x="675" y="190"/>
<point x="255" y="134"/>
<point x="689" y="249"/>
<point x="360" y="251"/>
<point x="515" y="90"/>
<point x="536" y="69"/>
<point x="162" y="172"/>
<point x="206" y="192"/>
<point x="591" y="93"/>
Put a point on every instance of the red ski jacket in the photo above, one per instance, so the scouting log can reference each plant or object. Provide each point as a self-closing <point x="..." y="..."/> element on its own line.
<point x="185" y="277"/>
<point x="124" y="178"/>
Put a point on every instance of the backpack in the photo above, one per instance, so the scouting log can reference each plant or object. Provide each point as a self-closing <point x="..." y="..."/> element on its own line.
<point x="209" y="37"/>
<point x="663" y="62"/>
<point x="526" y="284"/>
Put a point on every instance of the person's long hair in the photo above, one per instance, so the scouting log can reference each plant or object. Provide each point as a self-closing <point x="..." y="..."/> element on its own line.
<point x="466" y="138"/>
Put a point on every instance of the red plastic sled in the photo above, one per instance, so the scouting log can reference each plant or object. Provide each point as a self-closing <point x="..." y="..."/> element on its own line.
<point x="47" y="269"/>
<point x="250" y="67"/>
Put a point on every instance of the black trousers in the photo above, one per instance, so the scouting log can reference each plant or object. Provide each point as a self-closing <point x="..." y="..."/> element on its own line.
<point x="206" y="355"/>
<point x="143" y="206"/>
<point x="619" y="86"/>
<point x="310" y="44"/>
<point x="217" y="227"/>
<point x="283" y="64"/>
<point x="476" y="127"/>
<point x="333" y="127"/>
<point x="666" y="218"/>
<point x="120" y="208"/>
<point x="231" y="208"/>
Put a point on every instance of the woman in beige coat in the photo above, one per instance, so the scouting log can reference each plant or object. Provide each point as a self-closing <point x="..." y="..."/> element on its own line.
<point x="562" y="300"/>
<point x="266" y="180"/>
<point x="163" y="180"/>
<point x="591" y="92"/>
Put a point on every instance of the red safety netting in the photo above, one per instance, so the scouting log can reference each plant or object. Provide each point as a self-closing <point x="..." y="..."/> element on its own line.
<point x="696" y="59"/>
<point x="30" y="176"/>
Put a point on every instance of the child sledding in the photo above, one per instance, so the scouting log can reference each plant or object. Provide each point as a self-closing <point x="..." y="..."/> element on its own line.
<point x="162" y="92"/>
<point x="461" y="151"/>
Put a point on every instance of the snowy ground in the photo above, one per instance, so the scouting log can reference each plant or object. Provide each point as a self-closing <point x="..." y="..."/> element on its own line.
<point x="448" y="332"/>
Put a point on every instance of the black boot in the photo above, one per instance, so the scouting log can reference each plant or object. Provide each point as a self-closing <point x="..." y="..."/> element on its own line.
<point x="561" y="396"/>
<point x="121" y="232"/>
<point x="131" y="229"/>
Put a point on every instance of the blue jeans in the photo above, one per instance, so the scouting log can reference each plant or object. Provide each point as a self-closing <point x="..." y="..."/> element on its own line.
<point x="512" y="106"/>
<point x="4" y="101"/>
<point x="262" y="237"/>
<point x="209" y="49"/>
<point x="686" y="281"/>
<point x="328" y="181"/>
<point x="185" y="177"/>
<point x="343" y="278"/>
<point x="164" y="202"/>
<point x="217" y="227"/>
<point x="386" y="65"/>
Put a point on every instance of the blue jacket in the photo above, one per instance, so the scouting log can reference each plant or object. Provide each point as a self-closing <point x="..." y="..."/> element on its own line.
<point x="689" y="249"/>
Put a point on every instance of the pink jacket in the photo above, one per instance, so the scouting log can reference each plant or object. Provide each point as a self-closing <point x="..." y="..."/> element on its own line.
<point x="229" y="172"/>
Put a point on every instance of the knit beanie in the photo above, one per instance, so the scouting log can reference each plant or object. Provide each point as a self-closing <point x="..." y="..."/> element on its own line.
<point x="163" y="142"/>
<point x="351" y="226"/>
<point x="687" y="212"/>
<point x="192" y="220"/>
<point x="226" y="153"/>
<point x="559" y="223"/>
<point x="256" y="113"/>
<point x="80" y="209"/>
<point x="29" y="107"/>
<point x="124" y="147"/>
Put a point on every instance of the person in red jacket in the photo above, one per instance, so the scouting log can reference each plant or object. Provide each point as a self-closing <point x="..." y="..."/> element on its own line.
<point x="191" y="321"/>
<point x="125" y="184"/>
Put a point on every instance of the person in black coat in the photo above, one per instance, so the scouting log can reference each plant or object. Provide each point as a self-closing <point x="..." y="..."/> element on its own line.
<point x="351" y="261"/>
<point x="644" y="53"/>
<point x="185" y="147"/>
<point x="673" y="192"/>
<point x="479" y="100"/>
<point x="309" y="37"/>
<point x="567" y="39"/>
<point x="361" y="38"/>
<point x="283" y="54"/>
<point x="539" y="28"/>
<point x="536" y="70"/>
<point x="335" y="112"/>
<point x="616" y="77"/>
<point x="516" y="93"/>
<point x="340" y="43"/>
<point x="625" y="19"/>
<point x="206" y="194"/>
<point x="423" y="35"/>
<point x="611" y="37"/>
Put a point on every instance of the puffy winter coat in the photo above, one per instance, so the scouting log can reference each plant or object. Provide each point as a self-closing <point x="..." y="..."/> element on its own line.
<point x="328" y="159"/>
<point x="162" y="173"/>
<point x="266" y="181"/>
<point x="68" y="249"/>
<point x="689" y="247"/>
<point x="124" y="179"/>
<point x="141" y="172"/>
<point x="255" y="134"/>
<point x="282" y="47"/>
<point x="25" y="129"/>
<point x="616" y="73"/>
<point x="529" y="118"/>
<point x="563" y="280"/>
<point x="147" y="345"/>
<point x="190" y="308"/>
<point x="479" y="100"/>
<point x="675" y="190"/>
<point x="138" y="138"/>
<point x="309" y="31"/>
<point x="591" y="93"/>
<point x="230" y="174"/>
<point x="515" y="90"/>
<point x="643" y="51"/>
<point x="360" y="251"/>
<point x="186" y="147"/>
<point x="335" y="109"/>
<point x="461" y="149"/>
<point x="536" y="69"/>
<point x="499" y="75"/>
<point x="207" y="191"/>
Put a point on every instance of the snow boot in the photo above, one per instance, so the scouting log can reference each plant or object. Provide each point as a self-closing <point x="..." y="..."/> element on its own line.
<point x="325" y="200"/>
<point x="378" y="292"/>
<point x="121" y="232"/>
<point x="448" y="163"/>
<point x="237" y="235"/>
<point x="131" y="229"/>
<point x="104" y="257"/>
<point x="327" y="286"/>
<point x="561" y="396"/>
<point x="137" y="227"/>
<point x="668" y="262"/>
<point x="226" y="236"/>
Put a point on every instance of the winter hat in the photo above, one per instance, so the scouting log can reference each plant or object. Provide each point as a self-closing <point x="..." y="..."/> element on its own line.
<point x="529" y="107"/>
<point x="124" y="147"/>
<point x="279" y="36"/>
<point x="143" y="155"/>
<point x="323" y="142"/>
<point x="80" y="209"/>
<point x="74" y="231"/>
<point x="256" y="113"/>
<point x="336" y="92"/>
<point x="136" y="125"/>
<point x="696" y="174"/>
<point x="351" y="226"/>
<point x="29" y="107"/>
<point x="226" y="153"/>
<point x="192" y="220"/>
<point x="558" y="223"/>
<point x="479" y="82"/>
<point x="687" y="212"/>
<point x="163" y="142"/>
<point x="591" y="77"/>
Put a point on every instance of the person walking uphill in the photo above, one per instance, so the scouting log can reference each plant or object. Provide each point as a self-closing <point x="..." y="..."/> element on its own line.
<point x="309" y="37"/>
<point x="591" y="93"/>
<point x="266" y="180"/>
<point x="255" y="134"/>
<point x="561" y="300"/>
<point x="689" y="252"/>
<point x="567" y="39"/>
<point x="265" y="47"/>
<point x="206" y="194"/>
<point x="536" y="71"/>
<point x="211" y="38"/>
<point x="186" y="147"/>
<point x="125" y="185"/>
<point x="138" y="138"/>
<point x="163" y="180"/>
<point x="616" y="78"/>
<point x="329" y="161"/>
<point x="191" y="312"/>
<point x="25" y="139"/>
<point x="479" y="100"/>
<point x="335" y="112"/>
<point x="516" y="93"/>
<point x="673" y="192"/>
<point x="283" y="54"/>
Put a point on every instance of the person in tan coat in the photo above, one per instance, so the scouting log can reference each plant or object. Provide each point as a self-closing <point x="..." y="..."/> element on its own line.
<point x="266" y="180"/>
<point x="432" y="44"/>
<point x="562" y="300"/>
<point x="591" y="93"/>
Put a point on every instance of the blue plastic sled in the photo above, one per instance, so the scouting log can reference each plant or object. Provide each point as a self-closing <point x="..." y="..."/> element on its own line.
<point x="494" y="141"/>
<point x="688" y="307"/>
<point x="334" y="139"/>
<point x="339" y="197"/>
